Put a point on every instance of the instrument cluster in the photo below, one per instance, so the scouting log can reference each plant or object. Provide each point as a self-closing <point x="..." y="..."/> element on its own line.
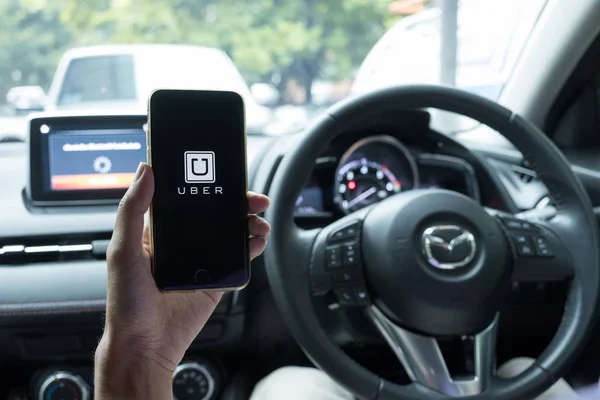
<point x="372" y="170"/>
<point x="375" y="168"/>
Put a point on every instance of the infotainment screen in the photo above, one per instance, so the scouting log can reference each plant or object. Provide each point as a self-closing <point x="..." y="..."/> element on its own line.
<point x="79" y="160"/>
<point x="95" y="159"/>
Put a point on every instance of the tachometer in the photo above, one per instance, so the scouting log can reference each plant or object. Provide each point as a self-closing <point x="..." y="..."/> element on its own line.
<point x="372" y="170"/>
<point x="363" y="182"/>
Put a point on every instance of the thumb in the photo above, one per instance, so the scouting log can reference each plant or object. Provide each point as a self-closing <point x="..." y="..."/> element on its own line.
<point x="126" y="242"/>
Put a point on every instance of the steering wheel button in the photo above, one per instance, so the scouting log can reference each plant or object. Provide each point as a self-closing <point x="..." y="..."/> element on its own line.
<point x="521" y="239"/>
<point x="350" y="261"/>
<point x="541" y="242"/>
<point x="529" y="226"/>
<point x="542" y="248"/>
<point x="518" y="224"/>
<point x="333" y="257"/>
<point x="512" y="223"/>
<point x="351" y="231"/>
<point x="345" y="296"/>
<point x="349" y="246"/>
<point x="349" y="254"/>
<point x="546" y="253"/>
<point x="337" y="235"/>
<point x="346" y="276"/>
<point x="361" y="296"/>
<point x="523" y="246"/>
<point x="347" y="232"/>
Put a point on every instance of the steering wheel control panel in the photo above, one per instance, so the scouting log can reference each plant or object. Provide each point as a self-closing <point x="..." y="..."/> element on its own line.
<point x="527" y="239"/>
<point x="194" y="379"/>
<point x="538" y="253"/>
<point x="342" y="271"/>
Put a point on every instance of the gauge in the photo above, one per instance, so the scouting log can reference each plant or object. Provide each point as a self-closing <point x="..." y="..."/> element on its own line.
<point x="192" y="381"/>
<point x="63" y="386"/>
<point x="363" y="182"/>
<point x="372" y="170"/>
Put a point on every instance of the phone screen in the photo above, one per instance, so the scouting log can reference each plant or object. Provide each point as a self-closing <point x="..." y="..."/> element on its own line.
<point x="197" y="149"/>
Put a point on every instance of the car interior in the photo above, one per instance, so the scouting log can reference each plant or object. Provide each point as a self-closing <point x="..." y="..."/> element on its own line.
<point x="337" y="286"/>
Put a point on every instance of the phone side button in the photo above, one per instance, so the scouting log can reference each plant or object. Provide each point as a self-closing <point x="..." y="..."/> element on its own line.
<point x="202" y="277"/>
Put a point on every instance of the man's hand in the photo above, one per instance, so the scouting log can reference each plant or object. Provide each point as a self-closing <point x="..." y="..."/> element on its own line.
<point x="147" y="331"/>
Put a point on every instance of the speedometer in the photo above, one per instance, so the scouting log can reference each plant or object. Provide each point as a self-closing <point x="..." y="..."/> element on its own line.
<point x="363" y="182"/>
<point x="372" y="170"/>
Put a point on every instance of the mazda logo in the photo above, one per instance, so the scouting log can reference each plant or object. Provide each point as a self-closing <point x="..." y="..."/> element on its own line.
<point x="448" y="246"/>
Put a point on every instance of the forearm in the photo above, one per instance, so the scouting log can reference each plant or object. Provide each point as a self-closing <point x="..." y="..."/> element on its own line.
<point x="124" y="373"/>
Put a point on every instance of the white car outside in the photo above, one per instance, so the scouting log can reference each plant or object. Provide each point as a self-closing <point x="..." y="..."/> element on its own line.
<point x="122" y="77"/>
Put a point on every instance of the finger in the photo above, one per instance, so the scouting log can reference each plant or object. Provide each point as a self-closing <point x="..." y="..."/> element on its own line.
<point x="257" y="226"/>
<point x="257" y="203"/>
<point x="126" y="242"/>
<point x="257" y="246"/>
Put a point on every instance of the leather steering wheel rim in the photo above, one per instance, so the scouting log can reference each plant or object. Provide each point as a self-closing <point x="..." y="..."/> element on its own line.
<point x="289" y="253"/>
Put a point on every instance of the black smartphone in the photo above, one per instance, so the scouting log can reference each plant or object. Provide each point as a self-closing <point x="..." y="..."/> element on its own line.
<point x="198" y="217"/>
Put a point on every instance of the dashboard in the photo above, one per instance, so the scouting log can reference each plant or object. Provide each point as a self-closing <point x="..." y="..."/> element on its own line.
<point x="58" y="273"/>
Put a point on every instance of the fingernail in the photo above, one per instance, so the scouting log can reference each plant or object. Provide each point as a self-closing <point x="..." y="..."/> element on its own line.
<point x="139" y="172"/>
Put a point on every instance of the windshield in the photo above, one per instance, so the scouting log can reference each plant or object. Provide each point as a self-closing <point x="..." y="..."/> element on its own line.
<point x="289" y="60"/>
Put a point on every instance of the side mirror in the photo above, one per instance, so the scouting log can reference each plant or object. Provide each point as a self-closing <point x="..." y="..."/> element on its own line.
<point x="265" y="94"/>
<point x="26" y="99"/>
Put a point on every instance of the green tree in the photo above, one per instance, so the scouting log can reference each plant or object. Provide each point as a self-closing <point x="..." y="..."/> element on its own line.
<point x="301" y="40"/>
<point x="31" y="42"/>
<point x="269" y="40"/>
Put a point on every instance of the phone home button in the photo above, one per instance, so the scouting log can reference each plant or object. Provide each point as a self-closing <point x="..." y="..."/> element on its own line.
<point x="202" y="277"/>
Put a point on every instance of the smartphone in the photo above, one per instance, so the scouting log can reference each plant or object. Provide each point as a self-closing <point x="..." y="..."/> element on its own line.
<point x="198" y="216"/>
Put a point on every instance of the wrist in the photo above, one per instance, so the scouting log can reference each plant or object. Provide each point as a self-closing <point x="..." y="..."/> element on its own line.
<point x="124" y="369"/>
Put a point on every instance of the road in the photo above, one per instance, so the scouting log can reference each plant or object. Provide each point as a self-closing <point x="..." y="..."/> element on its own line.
<point x="13" y="128"/>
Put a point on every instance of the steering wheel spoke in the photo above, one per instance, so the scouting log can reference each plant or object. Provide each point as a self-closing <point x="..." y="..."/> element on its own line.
<point x="539" y="253"/>
<point x="337" y="263"/>
<point x="424" y="363"/>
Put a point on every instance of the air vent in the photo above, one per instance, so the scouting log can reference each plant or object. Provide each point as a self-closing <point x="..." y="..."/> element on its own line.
<point x="525" y="175"/>
<point x="34" y="250"/>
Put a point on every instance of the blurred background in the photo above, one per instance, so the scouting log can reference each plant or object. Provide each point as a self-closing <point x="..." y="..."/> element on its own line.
<point x="295" y="57"/>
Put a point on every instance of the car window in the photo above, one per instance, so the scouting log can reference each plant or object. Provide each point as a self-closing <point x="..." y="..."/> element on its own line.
<point x="98" y="78"/>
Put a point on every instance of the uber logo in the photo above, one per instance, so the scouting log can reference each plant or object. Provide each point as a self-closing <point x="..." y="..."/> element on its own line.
<point x="199" y="166"/>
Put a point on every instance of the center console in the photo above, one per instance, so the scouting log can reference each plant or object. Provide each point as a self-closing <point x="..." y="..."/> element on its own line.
<point x="52" y="355"/>
<point x="194" y="379"/>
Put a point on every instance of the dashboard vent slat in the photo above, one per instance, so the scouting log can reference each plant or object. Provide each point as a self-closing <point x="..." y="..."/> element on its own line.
<point x="35" y="250"/>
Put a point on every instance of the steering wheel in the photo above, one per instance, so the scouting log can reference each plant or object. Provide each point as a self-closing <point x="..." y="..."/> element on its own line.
<point x="425" y="264"/>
